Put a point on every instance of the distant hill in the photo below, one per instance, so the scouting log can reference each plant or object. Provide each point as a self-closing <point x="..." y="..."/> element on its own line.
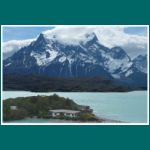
<point x="39" y="106"/>
<point x="47" y="84"/>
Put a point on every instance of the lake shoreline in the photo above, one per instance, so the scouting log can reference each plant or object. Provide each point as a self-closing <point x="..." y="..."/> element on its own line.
<point x="74" y="91"/>
<point x="100" y="120"/>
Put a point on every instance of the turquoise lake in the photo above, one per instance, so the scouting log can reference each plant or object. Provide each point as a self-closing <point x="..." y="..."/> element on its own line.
<point x="126" y="106"/>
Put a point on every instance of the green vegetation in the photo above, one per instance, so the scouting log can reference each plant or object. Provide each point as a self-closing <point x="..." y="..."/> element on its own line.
<point x="47" y="84"/>
<point x="87" y="117"/>
<point x="35" y="106"/>
<point x="39" y="106"/>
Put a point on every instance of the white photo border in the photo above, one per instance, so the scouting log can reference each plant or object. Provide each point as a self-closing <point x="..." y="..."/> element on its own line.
<point x="2" y="123"/>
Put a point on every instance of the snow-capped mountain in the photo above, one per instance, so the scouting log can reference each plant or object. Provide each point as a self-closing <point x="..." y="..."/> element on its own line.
<point x="82" y="56"/>
<point x="141" y="63"/>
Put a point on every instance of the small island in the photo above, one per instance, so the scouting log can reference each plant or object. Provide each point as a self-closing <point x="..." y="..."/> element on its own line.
<point x="47" y="107"/>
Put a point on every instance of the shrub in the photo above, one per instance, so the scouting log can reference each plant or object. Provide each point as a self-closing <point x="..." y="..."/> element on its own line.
<point x="87" y="117"/>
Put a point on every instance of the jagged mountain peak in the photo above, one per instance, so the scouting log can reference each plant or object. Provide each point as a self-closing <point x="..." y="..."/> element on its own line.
<point x="40" y="42"/>
<point x="141" y="57"/>
<point x="89" y="39"/>
<point x="118" y="53"/>
<point x="140" y="63"/>
<point x="117" y="49"/>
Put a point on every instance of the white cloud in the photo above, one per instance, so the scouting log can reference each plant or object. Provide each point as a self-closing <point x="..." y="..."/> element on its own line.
<point x="109" y="36"/>
<point x="10" y="47"/>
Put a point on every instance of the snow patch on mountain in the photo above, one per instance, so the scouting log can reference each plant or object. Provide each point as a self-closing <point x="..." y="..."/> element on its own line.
<point x="44" y="58"/>
<point x="62" y="59"/>
<point x="116" y="76"/>
<point x="113" y="64"/>
<point x="7" y="64"/>
<point x="129" y="72"/>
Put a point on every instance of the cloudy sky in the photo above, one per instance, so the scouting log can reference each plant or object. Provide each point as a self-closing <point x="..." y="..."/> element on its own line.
<point x="133" y="39"/>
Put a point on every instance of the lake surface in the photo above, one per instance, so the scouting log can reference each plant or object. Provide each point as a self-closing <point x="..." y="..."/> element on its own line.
<point x="125" y="106"/>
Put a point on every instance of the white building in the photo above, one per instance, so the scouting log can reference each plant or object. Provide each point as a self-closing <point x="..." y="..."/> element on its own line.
<point x="13" y="107"/>
<point x="64" y="112"/>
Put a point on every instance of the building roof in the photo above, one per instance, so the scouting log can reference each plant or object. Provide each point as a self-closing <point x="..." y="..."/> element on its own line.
<point x="64" y="111"/>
